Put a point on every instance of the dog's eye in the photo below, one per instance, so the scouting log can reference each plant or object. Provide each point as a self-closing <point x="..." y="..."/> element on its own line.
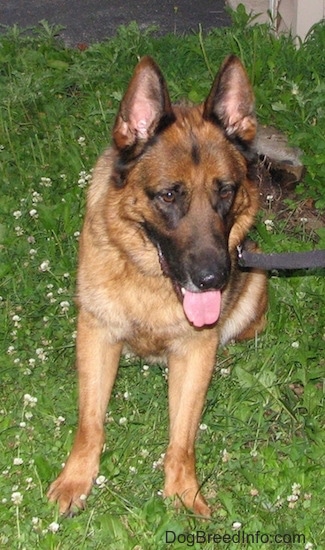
<point x="226" y="192"/>
<point x="168" y="196"/>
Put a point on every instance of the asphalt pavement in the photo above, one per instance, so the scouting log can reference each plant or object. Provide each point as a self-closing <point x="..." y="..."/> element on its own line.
<point x="90" y="21"/>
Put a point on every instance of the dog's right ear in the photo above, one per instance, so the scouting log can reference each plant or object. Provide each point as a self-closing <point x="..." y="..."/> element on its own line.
<point x="144" y="110"/>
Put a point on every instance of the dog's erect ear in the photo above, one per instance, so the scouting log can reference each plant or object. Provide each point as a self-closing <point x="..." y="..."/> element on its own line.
<point x="231" y="101"/>
<point x="145" y="108"/>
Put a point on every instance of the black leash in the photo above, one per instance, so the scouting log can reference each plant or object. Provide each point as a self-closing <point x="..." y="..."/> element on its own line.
<point x="286" y="260"/>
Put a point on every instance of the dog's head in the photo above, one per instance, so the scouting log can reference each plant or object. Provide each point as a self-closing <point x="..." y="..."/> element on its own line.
<point x="182" y="172"/>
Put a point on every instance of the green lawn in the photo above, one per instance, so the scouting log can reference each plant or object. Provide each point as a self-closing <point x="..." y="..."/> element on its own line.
<point x="260" y="448"/>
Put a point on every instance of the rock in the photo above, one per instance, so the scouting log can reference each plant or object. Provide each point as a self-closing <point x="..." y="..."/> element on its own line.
<point x="278" y="162"/>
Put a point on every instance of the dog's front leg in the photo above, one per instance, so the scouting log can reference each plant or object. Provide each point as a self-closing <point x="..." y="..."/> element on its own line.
<point x="97" y="362"/>
<point x="190" y="371"/>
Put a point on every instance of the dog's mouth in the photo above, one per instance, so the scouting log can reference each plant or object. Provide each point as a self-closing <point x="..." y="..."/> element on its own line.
<point x="201" y="308"/>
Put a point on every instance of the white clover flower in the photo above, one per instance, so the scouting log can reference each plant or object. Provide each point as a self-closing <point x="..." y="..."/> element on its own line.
<point x="18" y="461"/>
<point x="225" y="371"/>
<point x="158" y="463"/>
<point x="292" y="500"/>
<point x="203" y="427"/>
<point x="309" y="546"/>
<point x="100" y="481"/>
<point x="236" y="525"/>
<point x="225" y="456"/>
<point x="41" y="354"/>
<point x="33" y="213"/>
<point x="11" y="350"/>
<point x="269" y="225"/>
<point x="144" y="453"/>
<point x="17" y="214"/>
<point x="84" y="179"/>
<point x="82" y="183"/>
<point x="36" y="197"/>
<point x="296" y="489"/>
<point x="50" y="297"/>
<point x="16" y="498"/>
<point x="54" y="527"/>
<point x="16" y="319"/>
<point x="145" y="370"/>
<point x="35" y="521"/>
<point x="122" y="420"/>
<point x="19" y="231"/>
<point x="46" y="182"/>
<point x="33" y="252"/>
<point x="45" y="266"/>
<point x="295" y="345"/>
<point x="82" y="141"/>
<point x="29" y="400"/>
<point x="59" y="420"/>
<point x="64" y="306"/>
<point x="132" y="470"/>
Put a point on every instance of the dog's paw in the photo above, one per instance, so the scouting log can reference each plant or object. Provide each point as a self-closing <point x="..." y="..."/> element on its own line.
<point x="70" y="494"/>
<point x="190" y="499"/>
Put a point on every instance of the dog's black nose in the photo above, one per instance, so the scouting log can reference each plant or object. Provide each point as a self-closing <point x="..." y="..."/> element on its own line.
<point x="207" y="280"/>
<point x="212" y="276"/>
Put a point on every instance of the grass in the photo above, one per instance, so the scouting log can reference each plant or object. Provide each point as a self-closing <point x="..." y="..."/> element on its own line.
<point x="260" y="447"/>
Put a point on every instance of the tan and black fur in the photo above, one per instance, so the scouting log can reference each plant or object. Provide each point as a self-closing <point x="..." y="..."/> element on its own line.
<point x="168" y="204"/>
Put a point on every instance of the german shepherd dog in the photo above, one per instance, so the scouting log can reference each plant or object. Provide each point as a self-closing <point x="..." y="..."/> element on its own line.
<point x="168" y="204"/>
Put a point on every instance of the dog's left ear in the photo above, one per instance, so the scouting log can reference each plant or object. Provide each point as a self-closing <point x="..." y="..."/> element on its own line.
<point x="230" y="103"/>
<point x="145" y="108"/>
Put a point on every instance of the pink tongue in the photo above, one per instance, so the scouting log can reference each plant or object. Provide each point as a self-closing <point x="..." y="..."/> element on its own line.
<point x="202" y="308"/>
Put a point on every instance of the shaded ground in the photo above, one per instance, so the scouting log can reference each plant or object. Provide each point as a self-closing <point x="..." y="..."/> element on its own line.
<point x="87" y="21"/>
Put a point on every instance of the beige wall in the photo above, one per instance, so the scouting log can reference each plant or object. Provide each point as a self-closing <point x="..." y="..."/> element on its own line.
<point x="299" y="15"/>
<point x="296" y="16"/>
